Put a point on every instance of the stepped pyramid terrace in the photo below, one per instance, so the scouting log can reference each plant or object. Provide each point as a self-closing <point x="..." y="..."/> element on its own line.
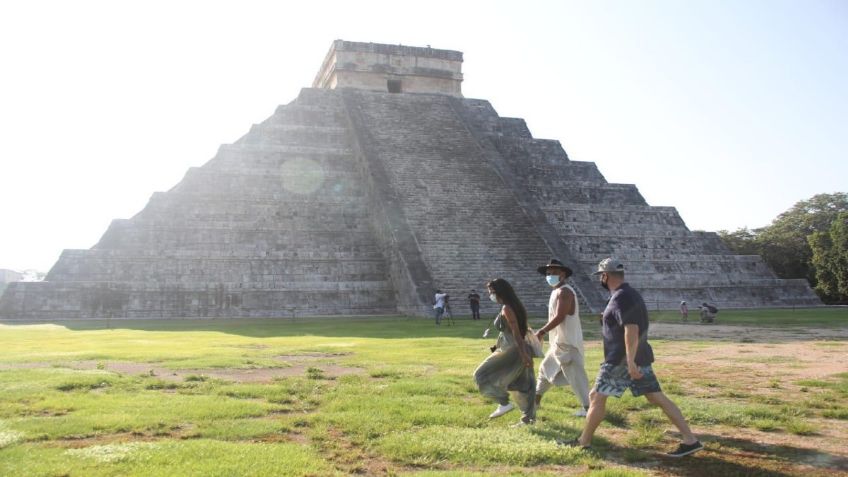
<point x="370" y="190"/>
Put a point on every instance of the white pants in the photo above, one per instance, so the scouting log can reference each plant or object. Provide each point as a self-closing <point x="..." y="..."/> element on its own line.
<point x="571" y="372"/>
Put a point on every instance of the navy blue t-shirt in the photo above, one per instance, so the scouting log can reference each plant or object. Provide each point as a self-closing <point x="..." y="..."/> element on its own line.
<point x="625" y="307"/>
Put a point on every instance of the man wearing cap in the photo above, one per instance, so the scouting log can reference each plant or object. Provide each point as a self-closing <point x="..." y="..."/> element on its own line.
<point x="628" y="358"/>
<point x="564" y="362"/>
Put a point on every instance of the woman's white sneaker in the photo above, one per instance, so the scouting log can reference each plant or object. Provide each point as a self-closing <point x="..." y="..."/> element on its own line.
<point x="501" y="410"/>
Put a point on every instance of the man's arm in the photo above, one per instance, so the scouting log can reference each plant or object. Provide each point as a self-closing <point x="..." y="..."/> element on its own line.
<point x="631" y="345"/>
<point x="564" y="307"/>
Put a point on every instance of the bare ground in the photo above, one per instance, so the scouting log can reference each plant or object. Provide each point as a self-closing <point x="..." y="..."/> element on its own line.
<point x="764" y="363"/>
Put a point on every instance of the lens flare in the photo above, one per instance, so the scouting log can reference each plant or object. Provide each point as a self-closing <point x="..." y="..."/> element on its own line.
<point x="301" y="176"/>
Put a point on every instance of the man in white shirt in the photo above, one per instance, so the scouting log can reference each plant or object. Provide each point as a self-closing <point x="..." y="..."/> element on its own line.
<point x="564" y="362"/>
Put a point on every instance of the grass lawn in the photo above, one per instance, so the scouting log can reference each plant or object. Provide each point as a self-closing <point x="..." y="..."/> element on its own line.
<point x="819" y="317"/>
<point x="394" y="396"/>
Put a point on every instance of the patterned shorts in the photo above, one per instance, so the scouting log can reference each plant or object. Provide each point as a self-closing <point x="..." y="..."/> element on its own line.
<point x="613" y="379"/>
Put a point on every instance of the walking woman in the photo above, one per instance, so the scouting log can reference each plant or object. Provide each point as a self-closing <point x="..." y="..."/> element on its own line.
<point x="510" y="366"/>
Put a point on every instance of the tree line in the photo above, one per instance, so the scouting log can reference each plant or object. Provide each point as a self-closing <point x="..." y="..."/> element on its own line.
<point x="810" y="240"/>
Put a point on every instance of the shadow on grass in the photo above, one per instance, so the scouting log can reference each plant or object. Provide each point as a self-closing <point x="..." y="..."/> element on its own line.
<point x="702" y="464"/>
<point x="785" y="453"/>
<point x="556" y="432"/>
<point x="754" y="459"/>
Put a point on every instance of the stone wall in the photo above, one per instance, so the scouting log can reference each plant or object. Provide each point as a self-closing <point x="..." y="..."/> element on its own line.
<point x="277" y="224"/>
<point x="467" y="225"/>
<point x="371" y="66"/>
<point x="349" y="202"/>
<point x="666" y="261"/>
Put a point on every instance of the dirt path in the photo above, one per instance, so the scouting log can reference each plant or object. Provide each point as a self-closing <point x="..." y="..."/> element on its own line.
<point x="743" y="364"/>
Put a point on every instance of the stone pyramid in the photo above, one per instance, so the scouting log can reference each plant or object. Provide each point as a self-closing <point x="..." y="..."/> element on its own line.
<point x="373" y="188"/>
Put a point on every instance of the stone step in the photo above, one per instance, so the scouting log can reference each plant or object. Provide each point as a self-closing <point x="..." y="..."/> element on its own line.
<point x="338" y="254"/>
<point x="52" y="300"/>
<point x="313" y="149"/>
<point x="304" y="115"/>
<point x="608" y="194"/>
<point x="295" y="135"/>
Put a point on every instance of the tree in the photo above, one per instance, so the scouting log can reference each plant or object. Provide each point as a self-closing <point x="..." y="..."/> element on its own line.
<point x="743" y="241"/>
<point x="830" y="259"/>
<point x="786" y="245"/>
<point x="783" y="244"/>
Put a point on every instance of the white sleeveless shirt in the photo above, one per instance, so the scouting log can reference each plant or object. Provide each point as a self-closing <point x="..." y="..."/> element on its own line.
<point x="569" y="332"/>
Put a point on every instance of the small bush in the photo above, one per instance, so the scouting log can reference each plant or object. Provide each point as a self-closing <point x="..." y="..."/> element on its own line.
<point x="762" y="412"/>
<point x="801" y="428"/>
<point x="82" y="385"/>
<point x="161" y="385"/>
<point x="770" y="400"/>
<point x="315" y="373"/>
<point x="840" y="413"/>
<point x="735" y="394"/>
<point x="766" y="425"/>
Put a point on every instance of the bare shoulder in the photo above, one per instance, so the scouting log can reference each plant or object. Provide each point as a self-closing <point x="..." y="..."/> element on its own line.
<point x="563" y="292"/>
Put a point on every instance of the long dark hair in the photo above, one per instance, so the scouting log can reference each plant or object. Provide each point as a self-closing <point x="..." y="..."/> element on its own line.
<point x="504" y="291"/>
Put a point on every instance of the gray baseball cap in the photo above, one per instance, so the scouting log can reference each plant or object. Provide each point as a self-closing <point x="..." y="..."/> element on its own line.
<point x="610" y="264"/>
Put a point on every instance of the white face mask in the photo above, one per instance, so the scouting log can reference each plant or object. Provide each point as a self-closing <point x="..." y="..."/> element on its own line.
<point x="493" y="297"/>
<point x="553" y="280"/>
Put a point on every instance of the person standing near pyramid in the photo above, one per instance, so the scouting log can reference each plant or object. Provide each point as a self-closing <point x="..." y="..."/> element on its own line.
<point x="474" y="303"/>
<point x="439" y="300"/>
<point x="564" y="362"/>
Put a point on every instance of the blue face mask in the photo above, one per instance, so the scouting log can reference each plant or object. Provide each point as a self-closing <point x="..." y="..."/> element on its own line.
<point x="553" y="280"/>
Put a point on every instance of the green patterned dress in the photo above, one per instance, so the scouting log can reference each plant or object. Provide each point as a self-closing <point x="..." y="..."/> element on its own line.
<point x="503" y="372"/>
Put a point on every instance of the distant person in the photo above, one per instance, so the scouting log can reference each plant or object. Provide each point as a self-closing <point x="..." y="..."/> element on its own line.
<point x="684" y="310"/>
<point x="510" y="366"/>
<point x="627" y="359"/>
<point x="439" y="305"/>
<point x="564" y="362"/>
<point x="474" y="303"/>
<point x="708" y="313"/>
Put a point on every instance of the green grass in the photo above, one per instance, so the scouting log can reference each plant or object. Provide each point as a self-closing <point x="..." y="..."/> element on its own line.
<point x="820" y="317"/>
<point x="411" y="409"/>
<point x="166" y="458"/>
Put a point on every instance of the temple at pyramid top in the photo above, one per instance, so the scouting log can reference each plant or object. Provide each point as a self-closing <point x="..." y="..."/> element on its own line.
<point x="391" y="68"/>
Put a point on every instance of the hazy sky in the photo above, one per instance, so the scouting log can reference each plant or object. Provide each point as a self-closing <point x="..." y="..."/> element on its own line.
<point x="730" y="111"/>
